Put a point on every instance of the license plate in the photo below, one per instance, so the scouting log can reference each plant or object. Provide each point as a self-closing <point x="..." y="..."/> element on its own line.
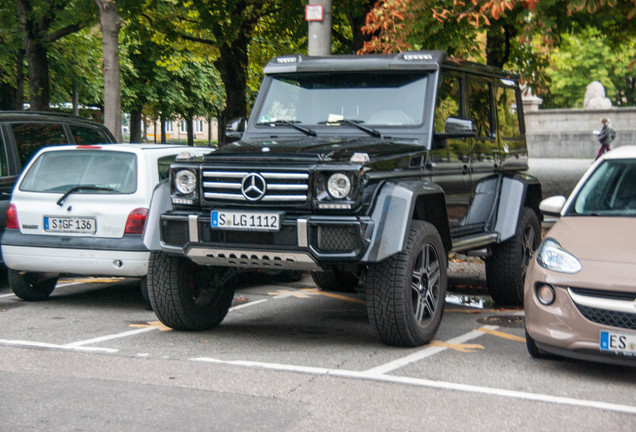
<point x="623" y="343"/>
<point x="80" y="225"/>
<point x="251" y="221"/>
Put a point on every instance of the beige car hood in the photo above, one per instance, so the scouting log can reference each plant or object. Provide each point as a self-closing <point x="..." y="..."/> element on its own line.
<point x="597" y="238"/>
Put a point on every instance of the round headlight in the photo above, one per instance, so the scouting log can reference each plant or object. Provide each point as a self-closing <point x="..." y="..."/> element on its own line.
<point x="185" y="181"/>
<point x="339" y="186"/>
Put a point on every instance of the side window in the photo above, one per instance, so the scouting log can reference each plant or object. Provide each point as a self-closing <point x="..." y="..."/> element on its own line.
<point x="163" y="165"/>
<point x="507" y="113"/>
<point x="85" y="135"/>
<point x="30" y="137"/>
<point x="448" y="102"/>
<point x="479" y="106"/>
<point x="4" y="169"/>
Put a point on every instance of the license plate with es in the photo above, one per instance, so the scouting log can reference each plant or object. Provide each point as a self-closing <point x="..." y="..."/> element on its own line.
<point x="618" y="342"/>
<point x="249" y="221"/>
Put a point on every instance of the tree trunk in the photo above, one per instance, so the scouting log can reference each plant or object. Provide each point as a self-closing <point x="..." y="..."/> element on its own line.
<point x="36" y="53"/>
<point x="110" y="23"/>
<point x="7" y="96"/>
<point x="135" y="125"/>
<point x="232" y="65"/>
<point x="190" y="130"/>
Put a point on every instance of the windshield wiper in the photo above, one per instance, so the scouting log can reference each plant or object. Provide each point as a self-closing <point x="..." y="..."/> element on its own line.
<point x="80" y="188"/>
<point x="304" y="130"/>
<point x="355" y="123"/>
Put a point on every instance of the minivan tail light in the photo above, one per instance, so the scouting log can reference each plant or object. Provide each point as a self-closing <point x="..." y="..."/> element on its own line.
<point x="136" y="221"/>
<point x="12" y="217"/>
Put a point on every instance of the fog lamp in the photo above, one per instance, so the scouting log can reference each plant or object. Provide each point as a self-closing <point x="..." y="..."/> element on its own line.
<point x="545" y="294"/>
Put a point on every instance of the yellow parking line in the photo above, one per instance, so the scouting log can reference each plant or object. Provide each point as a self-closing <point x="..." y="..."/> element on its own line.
<point x="502" y="335"/>
<point x="340" y="297"/>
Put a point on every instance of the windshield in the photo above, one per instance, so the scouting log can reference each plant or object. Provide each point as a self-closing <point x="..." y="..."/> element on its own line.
<point x="103" y="171"/>
<point x="373" y="98"/>
<point x="609" y="191"/>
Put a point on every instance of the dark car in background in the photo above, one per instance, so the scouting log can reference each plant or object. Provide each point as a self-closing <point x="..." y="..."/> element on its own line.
<point x="23" y="133"/>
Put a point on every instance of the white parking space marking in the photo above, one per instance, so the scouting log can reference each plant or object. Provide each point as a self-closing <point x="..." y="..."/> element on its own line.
<point x="427" y="352"/>
<point x="246" y="305"/>
<point x="108" y="337"/>
<point x="441" y="385"/>
<point x="30" y="344"/>
<point x="7" y="295"/>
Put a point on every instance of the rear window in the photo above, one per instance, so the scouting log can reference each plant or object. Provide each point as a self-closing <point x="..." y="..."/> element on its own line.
<point x="30" y="137"/>
<point x="109" y="171"/>
<point x="86" y="135"/>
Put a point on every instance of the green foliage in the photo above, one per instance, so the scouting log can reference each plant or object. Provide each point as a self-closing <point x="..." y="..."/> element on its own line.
<point x="585" y="57"/>
<point x="75" y="63"/>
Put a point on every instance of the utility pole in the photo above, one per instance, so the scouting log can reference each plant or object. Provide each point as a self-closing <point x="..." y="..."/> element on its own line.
<point x="318" y="16"/>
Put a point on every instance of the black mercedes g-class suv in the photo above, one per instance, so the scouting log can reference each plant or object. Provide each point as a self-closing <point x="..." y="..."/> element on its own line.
<point x="365" y="170"/>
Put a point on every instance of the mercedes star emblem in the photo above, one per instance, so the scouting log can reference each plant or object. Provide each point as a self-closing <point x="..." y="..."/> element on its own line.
<point x="253" y="186"/>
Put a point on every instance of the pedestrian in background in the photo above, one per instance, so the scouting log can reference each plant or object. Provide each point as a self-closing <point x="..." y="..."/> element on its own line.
<point x="605" y="137"/>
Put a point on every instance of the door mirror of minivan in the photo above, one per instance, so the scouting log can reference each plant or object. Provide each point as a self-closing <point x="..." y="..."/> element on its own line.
<point x="235" y="128"/>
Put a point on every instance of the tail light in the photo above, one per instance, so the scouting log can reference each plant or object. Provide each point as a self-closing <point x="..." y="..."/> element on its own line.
<point x="12" y="217"/>
<point x="136" y="221"/>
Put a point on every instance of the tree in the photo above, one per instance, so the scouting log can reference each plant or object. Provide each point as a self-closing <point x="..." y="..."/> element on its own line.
<point x="575" y="63"/>
<point x="110" y="24"/>
<point x="11" y="59"/>
<point x="42" y="23"/>
<point x="499" y="30"/>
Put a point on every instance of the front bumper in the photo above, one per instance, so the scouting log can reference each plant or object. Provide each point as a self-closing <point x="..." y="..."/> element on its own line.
<point x="302" y="243"/>
<point x="572" y="325"/>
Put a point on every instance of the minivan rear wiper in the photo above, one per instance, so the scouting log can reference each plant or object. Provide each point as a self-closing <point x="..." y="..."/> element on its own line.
<point x="356" y="123"/>
<point x="293" y="124"/>
<point x="80" y="188"/>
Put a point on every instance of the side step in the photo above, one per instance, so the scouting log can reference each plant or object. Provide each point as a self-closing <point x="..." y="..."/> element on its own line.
<point x="463" y="244"/>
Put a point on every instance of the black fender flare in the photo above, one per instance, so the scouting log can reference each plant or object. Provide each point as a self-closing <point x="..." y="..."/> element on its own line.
<point x="160" y="203"/>
<point x="516" y="192"/>
<point x="395" y="207"/>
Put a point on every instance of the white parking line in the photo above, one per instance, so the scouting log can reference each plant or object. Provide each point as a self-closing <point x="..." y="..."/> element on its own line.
<point x="426" y="352"/>
<point x="30" y="344"/>
<point x="442" y="385"/>
<point x="108" y="337"/>
<point x="244" y="305"/>
<point x="7" y="295"/>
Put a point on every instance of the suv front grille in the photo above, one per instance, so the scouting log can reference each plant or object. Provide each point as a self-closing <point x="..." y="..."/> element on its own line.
<point x="336" y="238"/>
<point x="269" y="186"/>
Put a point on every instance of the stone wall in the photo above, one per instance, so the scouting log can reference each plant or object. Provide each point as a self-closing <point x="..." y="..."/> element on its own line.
<point x="567" y="133"/>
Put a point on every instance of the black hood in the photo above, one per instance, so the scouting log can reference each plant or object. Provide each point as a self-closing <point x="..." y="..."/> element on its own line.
<point x="317" y="148"/>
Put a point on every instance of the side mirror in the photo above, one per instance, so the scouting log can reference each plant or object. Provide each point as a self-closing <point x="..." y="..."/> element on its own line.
<point x="552" y="206"/>
<point x="235" y="128"/>
<point x="455" y="126"/>
<point x="551" y="210"/>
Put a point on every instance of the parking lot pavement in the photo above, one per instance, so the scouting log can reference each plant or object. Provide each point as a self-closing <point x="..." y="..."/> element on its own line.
<point x="293" y="331"/>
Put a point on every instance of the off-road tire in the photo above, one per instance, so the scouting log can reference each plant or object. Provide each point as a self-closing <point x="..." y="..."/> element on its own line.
<point x="188" y="296"/>
<point x="31" y="286"/>
<point x="143" y="288"/>
<point x="290" y="276"/>
<point x="507" y="266"/>
<point x="335" y="280"/>
<point x="406" y="292"/>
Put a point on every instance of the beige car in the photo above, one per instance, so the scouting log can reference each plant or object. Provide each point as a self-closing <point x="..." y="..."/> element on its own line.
<point x="580" y="288"/>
